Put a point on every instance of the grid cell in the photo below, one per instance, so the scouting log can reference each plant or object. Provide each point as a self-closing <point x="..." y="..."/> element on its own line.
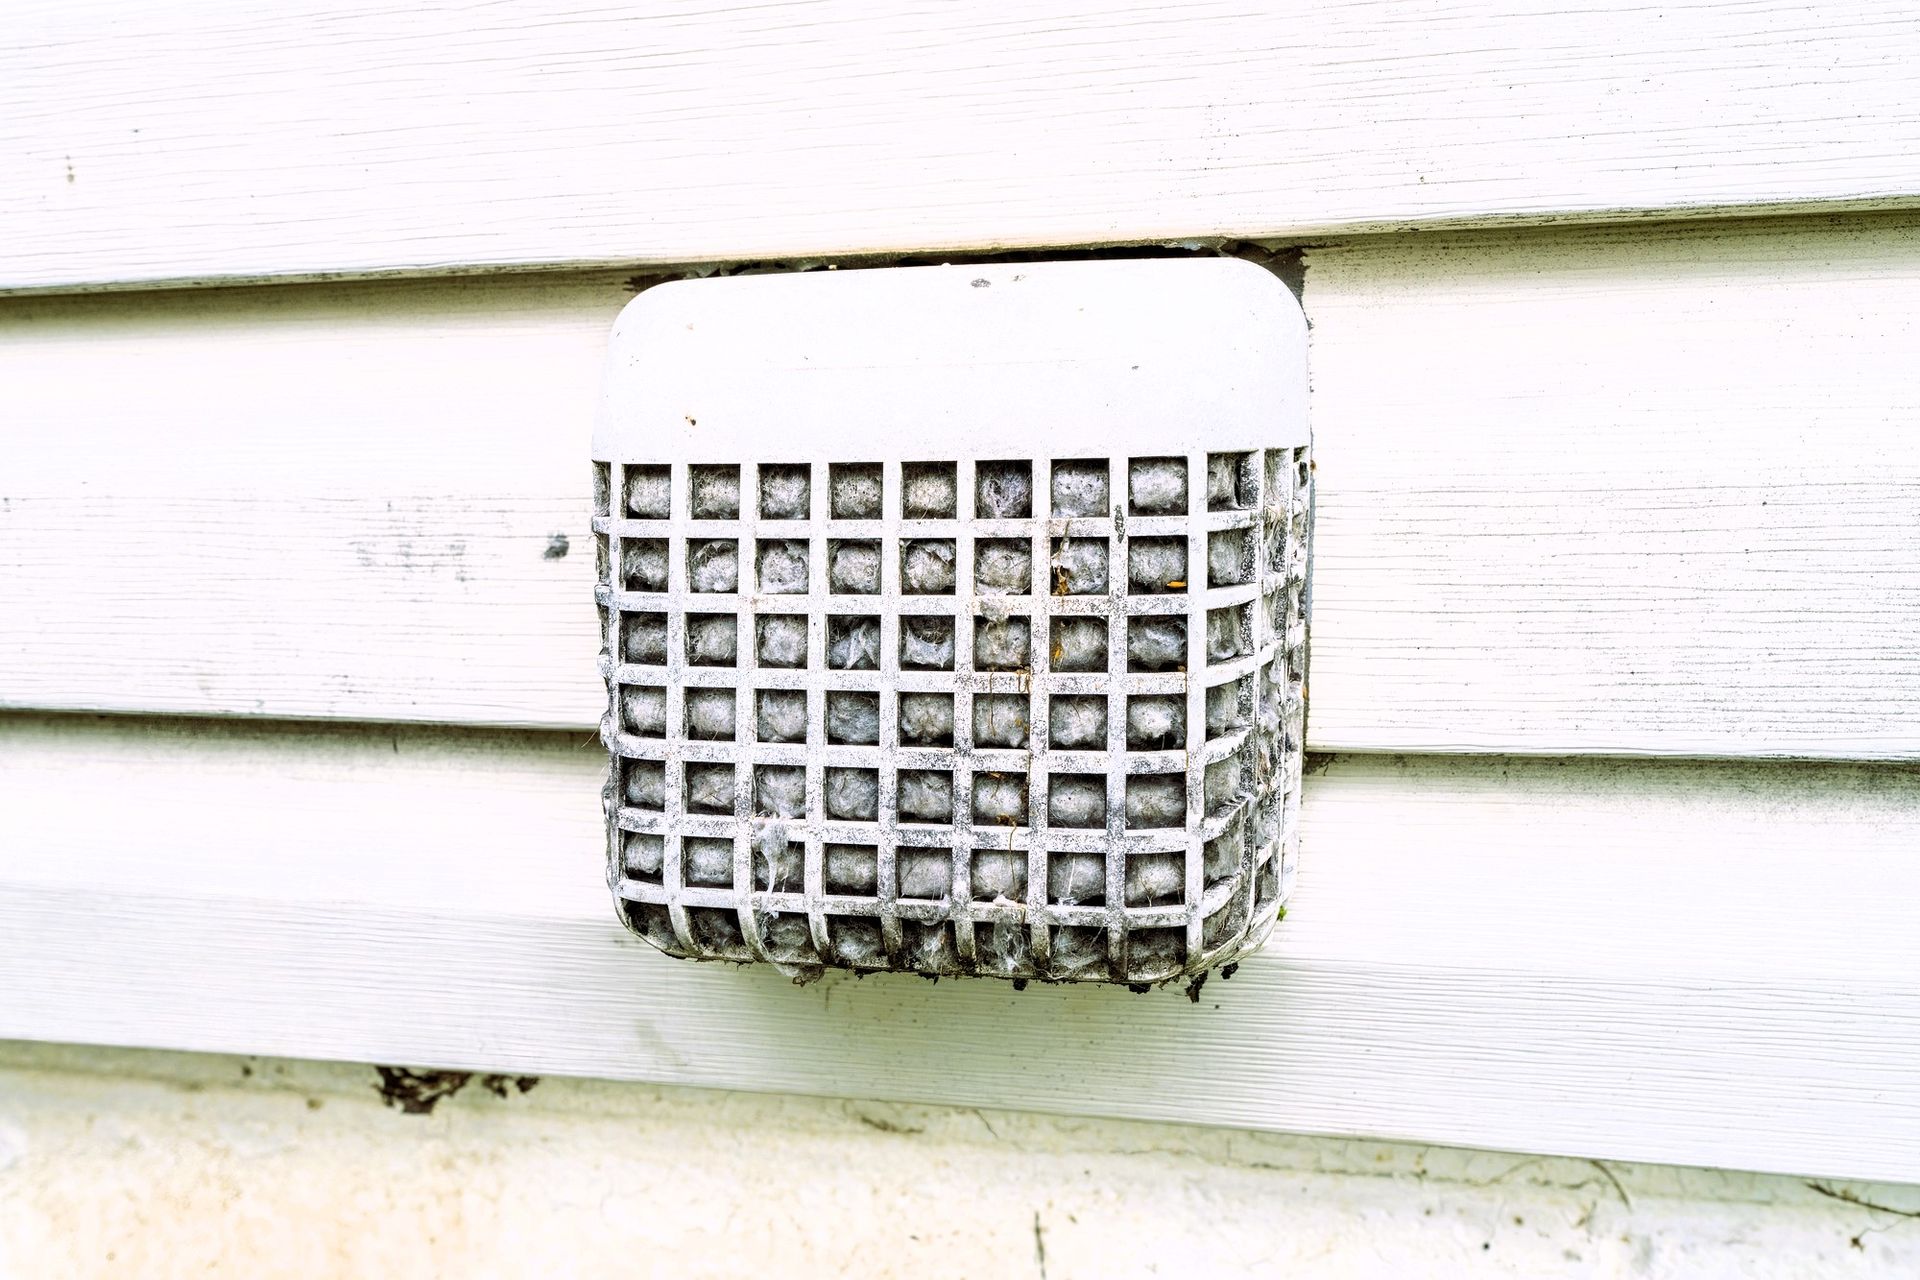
<point x="780" y="566"/>
<point x="1156" y="566"/>
<point x="643" y="856"/>
<point x="1077" y="722"/>
<point x="644" y="785"/>
<point x="1157" y="644"/>
<point x="1080" y="487"/>
<point x="929" y="491"/>
<point x="926" y="795"/>
<point x="713" y="492"/>
<point x="926" y="719"/>
<point x="1157" y="487"/>
<point x="643" y="564"/>
<point x="1078" y="644"/>
<point x="1002" y="567"/>
<point x="1077" y="800"/>
<point x="926" y="643"/>
<point x="643" y="710"/>
<point x="855" y="490"/>
<point x="716" y="930"/>
<point x="1156" y="951"/>
<point x="1227" y="707"/>
<point x="1156" y="722"/>
<point x="1003" y="490"/>
<point x="927" y="566"/>
<point x="853" y="642"/>
<point x="779" y="791"/>
<point x="852" y="869"/>
<point x="997" y="874"/>
<point x="853" y="567"/>
<point x="780" y="640"/>
<point x="789" y="939"/>
<point x="649" y="493"/>
<point x="930" y="947"/>
<point x="1155" y="879"/>
<point x="924" y="873"/>
<point x="1002" y="644"/>
<point x="857" y="942"/>
<point x="786" y="492"/>
<point x="710" y="790"/>
<point x="1001" y="720"/>
<point x="1000" y="799"/>
<point x="710" y="714"/>
<point x="1229" y="558"/>
<point x="712" y="639"/>
<point x="1222" y="856"/>
<point x="779" y="866"/>
<point x="1231" y="483"/>
<point x="643" y="638"/>
<point x="1222" y="787"/>
<point x="853" y="795"/>
<point x="1077" y="880"/>
<point x="780" y="715"/>
<point x="1077" y="951"/>
<point x="652" y="921"/>
<point x="713" y="565"/>
<point x="853" y="719"/>
<point x="1078" y="567"/>
<point x="1156" y="800"/>
<point x="1229" y="633"/>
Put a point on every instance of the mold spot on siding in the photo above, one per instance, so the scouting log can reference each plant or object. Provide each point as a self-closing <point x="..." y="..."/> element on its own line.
<point x="505" y="1086"/>
<point x="417" y="1093"/>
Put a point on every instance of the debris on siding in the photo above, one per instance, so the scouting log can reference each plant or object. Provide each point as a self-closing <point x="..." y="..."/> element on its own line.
<point x="416" y="1092"/>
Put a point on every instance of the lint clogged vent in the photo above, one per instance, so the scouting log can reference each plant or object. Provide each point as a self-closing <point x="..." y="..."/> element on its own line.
<point x="953" y="616"/>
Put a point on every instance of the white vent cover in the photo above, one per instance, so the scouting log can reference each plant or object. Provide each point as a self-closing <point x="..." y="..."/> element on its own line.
<point x="954" y="616"/>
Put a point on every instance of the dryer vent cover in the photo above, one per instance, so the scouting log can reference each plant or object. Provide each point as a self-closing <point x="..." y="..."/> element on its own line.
<point x="954" y="616"/>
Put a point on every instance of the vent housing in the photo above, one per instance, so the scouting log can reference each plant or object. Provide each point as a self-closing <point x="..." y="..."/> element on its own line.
<point x="954" y="617"/>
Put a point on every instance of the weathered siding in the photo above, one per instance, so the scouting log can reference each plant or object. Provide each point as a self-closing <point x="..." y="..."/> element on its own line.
<point x="1691" y="962"/>
<point x="216" y="142"/>
<point x="1648" y="492"/>
<point x="1609" y="855"/>
<point x="115" y="1164"/>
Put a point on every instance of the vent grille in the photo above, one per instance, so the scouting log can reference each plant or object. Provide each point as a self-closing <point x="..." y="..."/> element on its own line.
<point x="953" y="617"/>
<point x="1019" y="717"/>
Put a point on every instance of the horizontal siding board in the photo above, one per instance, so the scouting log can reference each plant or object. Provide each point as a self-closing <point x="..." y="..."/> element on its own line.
<point x="317" y="502"/>
<point x="1668" y="961"/>
<point x="207" y="143"/>
<point x="1654" y="492"/>
<point x="1642" y="492"/>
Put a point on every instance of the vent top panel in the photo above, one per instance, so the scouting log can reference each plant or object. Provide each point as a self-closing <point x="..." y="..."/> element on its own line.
<point x="1115" y="356"/>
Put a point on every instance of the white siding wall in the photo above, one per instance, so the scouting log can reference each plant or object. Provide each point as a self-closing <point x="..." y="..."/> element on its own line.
<point x="225" y="141"/>
<point x="1481" y="951"/>
<point x="1629" y="491"/>
<point x="296" y="700"/>
<point x="1582" y="492"/>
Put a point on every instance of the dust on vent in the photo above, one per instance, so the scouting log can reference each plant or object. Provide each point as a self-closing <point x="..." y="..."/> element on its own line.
<point x="953" y="617"/>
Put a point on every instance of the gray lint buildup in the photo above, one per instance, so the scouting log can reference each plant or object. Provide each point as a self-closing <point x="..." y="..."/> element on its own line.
<point x="954" y="717"/>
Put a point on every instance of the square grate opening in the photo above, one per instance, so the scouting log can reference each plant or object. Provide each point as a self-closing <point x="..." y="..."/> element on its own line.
<point x="880" y="704"/>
